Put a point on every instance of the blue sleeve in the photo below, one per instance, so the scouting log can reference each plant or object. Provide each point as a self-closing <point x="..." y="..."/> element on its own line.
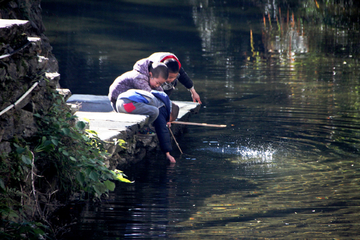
<point x="162" y="130"/>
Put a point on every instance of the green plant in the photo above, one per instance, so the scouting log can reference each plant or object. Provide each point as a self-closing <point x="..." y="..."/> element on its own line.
<point x="61" y="160"/>
<point x="77" y="154"/>
<point x="23" y="231"/>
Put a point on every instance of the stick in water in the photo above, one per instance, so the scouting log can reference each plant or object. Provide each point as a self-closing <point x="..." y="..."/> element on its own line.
<point x="199" y="124"/>
<point x="175" y="140"/>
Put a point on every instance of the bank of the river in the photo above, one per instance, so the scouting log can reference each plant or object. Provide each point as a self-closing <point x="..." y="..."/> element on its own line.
<point x="112" y="127"/>
<point x="46" y="157"/>
<point x="28" y="81"/>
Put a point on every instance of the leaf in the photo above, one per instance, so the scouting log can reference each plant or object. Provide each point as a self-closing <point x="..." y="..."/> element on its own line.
<point x="110" y="185"/>
<point x="26" y="159"/>
<point x="80" y="125"/>
<point x="87" y="170"/>
<point x="91" y="131"/>
<point x="100" y="188"/>
<point x="38" y="231"/>
<point x="122" y="179"/>
<point x="44" y="145"/>
<point x="20" y="150"/>
<point x="94" y="176"/>
<point x="120" y="176"/>
<point x="65" y="153"/>
<point x="80" y="177"/>
<point x="2" y="185"/>
<point x="55" y="142"/>
<point x="73" y="159"/>
<point x="121" y="143"/>
<point x="66" y="131"/>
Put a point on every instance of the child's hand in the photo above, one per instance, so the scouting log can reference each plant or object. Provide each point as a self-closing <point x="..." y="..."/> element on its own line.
<point x="168" y="124"/>
<point x="170" y="158"/>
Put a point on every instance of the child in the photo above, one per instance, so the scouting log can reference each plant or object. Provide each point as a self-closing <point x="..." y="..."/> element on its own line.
<point x="145" y="75"/>
<point x="176" y="73"/>
<point x="157" y="106"/>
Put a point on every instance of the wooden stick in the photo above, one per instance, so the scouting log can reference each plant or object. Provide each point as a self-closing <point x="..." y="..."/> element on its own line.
<point x="175" y="140"/>
<point x="198" y="124"/>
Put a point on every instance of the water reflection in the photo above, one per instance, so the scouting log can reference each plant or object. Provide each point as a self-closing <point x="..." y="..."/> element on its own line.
<point x="284" y="77"/>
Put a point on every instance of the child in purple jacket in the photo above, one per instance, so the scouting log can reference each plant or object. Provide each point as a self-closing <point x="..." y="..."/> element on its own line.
<point x="146" y="75"/>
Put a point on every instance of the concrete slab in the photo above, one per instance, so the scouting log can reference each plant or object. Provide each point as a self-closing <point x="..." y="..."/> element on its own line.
<point x="10" y="22"/>
<point x="112" y="125"/>
<point x="91" y="103"/>
<point x="109" y="125"/>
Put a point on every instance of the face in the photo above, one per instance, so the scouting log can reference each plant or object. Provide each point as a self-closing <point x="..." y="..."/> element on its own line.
<point x="172" y="77"/>
<point x="156" y="82"/>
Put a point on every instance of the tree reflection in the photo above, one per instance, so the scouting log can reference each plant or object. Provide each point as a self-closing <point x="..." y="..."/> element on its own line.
<point x="286" y="38"/>
<point x="283" y="28"/>
<point x="215" y="32"/>
<point x="298" y="56"/>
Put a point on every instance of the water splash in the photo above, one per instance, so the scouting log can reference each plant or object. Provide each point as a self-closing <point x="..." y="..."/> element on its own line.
<point x="251" y="154"/>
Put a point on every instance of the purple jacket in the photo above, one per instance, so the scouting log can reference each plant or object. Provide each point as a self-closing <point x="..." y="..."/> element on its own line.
<point x="138" y="78"/>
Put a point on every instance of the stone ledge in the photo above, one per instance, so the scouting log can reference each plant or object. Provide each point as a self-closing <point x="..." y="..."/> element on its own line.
<point x="5" y="23"/>
<point x="111" y="126"/>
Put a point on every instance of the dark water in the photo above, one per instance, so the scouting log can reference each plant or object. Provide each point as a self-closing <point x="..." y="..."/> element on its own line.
<point x="287" y="165"/>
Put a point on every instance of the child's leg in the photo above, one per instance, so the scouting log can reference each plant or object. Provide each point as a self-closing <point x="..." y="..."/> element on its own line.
<point x="138" y="108"/>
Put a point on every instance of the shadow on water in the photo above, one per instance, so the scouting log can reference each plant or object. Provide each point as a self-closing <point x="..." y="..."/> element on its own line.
<point x="282" y="75"/>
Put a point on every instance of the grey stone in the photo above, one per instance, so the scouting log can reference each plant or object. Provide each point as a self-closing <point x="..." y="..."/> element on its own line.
<point x="5" y="148"/>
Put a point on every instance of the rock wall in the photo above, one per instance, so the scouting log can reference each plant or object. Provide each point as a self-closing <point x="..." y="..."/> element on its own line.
<point x="25" y="61"/>
<point x="30" y="10"/>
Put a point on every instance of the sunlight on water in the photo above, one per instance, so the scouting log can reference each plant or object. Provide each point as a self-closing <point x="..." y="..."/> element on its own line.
<point x="244" y="154"/>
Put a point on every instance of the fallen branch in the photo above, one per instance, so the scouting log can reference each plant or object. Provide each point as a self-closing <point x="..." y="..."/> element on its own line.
<point x="177" y="144"/>
<point x="198" y="124"/>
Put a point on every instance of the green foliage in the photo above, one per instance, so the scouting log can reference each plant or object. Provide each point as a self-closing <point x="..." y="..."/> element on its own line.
<point x="120" y="176"/>
<point x="77" y="154"/>
<point x="62" y="159"/>
<point x="23" y="230"/>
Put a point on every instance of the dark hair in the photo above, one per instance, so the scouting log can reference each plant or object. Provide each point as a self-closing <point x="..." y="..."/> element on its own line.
<point x="172" y="65"/>
<point x="159" y="69"/>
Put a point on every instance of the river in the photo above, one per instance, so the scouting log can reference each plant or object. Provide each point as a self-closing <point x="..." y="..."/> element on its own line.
<point x="282" y="75"/>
